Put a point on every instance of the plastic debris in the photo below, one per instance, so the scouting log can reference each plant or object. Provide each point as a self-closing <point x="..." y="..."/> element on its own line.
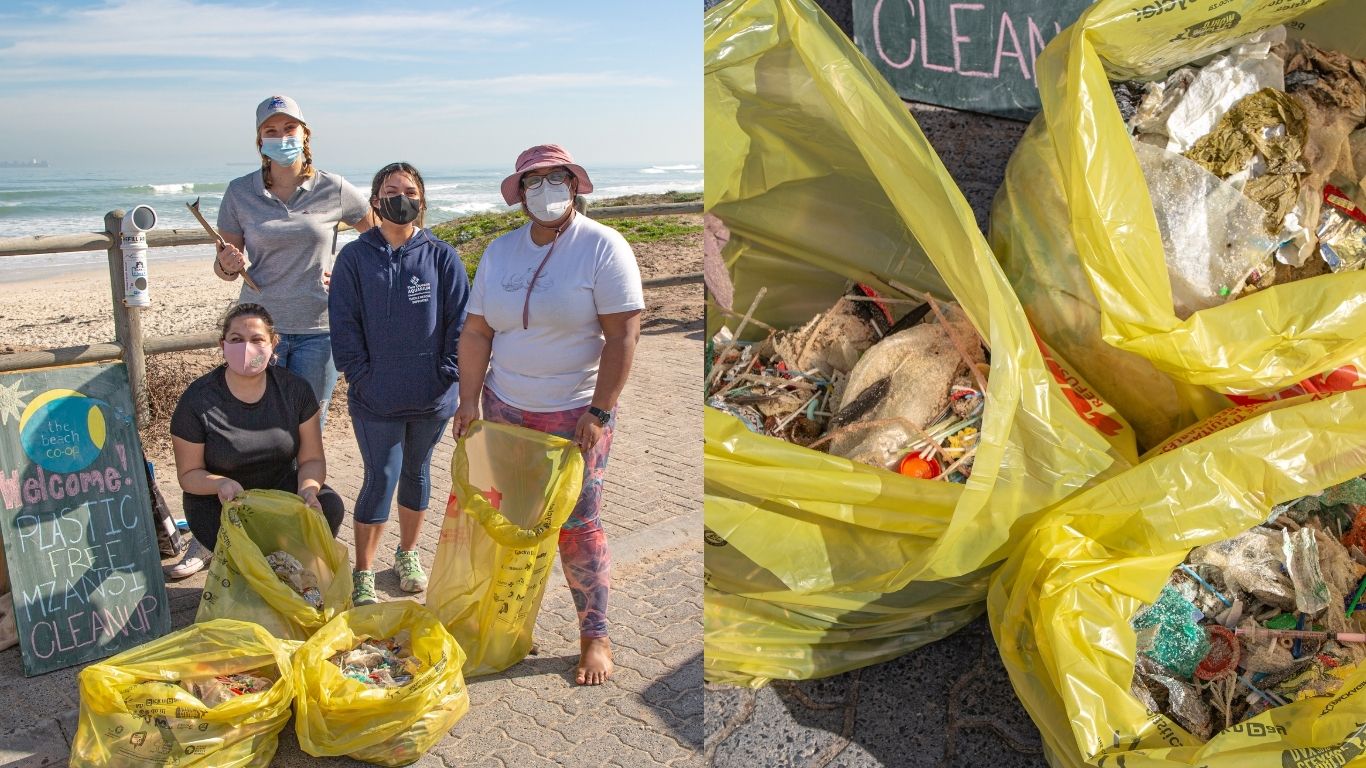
<point x="289" y="570"/>
<point x="1213" y="235"/>
<point x="902" y="393"/>
<point x="220" y="688"/>
<point x="1274" y="122"/>
<point x="1226" y="80"/>
<point x="1342" y="232"/>
<point x="1258" y="620"/>
<point x="1169" y="633"/>
<point x="383" y="663"/>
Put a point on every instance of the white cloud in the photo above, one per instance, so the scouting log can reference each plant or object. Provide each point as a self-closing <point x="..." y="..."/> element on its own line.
<point x="187" y="29"/>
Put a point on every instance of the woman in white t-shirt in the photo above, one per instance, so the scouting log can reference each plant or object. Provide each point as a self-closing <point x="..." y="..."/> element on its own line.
<point x="553" y="320"/>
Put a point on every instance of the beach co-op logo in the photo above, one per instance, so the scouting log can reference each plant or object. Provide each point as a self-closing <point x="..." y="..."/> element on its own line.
<point x="418" y="292"/>
<point x="518" y="282"/>
<point x="61" y="430"/>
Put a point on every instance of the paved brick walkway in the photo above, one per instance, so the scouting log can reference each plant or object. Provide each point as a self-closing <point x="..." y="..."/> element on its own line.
<point x="946" y="705"/>
<point x="649" y="714"/>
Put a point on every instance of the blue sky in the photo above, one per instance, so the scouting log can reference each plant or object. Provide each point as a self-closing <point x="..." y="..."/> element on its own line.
<point x="167" y="82"/>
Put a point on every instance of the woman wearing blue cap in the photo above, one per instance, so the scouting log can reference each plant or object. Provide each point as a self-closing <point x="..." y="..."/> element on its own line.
<point x="279" y="224"/>
<point x="279" y="230"/>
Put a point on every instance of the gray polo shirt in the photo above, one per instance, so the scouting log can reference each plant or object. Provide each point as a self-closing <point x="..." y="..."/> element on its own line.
<point x="290" y="244"/>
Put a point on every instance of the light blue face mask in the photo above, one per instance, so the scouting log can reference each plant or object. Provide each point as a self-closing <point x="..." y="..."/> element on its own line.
<point x="284" y="150"/>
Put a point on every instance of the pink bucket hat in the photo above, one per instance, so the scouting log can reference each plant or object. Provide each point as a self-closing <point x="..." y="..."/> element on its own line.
<point x="543" y="156"/>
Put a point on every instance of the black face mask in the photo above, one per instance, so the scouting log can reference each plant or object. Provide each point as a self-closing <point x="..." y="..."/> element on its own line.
<point x="400" y="209"/>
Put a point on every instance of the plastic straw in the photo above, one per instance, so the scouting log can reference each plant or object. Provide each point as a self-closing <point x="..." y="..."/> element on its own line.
<point x="1351" y="607"/>
<point x="1261" y="633"/>
<point x="1191" y="572"/>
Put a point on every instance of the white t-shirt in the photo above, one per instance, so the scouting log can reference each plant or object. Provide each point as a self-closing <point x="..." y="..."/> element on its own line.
<point x="552" y="365"/>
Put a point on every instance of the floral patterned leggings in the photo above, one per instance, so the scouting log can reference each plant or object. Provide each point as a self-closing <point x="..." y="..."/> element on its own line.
<point x="583" y="544"/>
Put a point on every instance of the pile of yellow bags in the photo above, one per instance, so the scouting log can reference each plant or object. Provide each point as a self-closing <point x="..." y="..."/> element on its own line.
<point x="815" y="564"/>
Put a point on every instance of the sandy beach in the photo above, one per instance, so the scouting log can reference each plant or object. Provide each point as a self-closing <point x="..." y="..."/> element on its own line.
<point x="74" y="308"/>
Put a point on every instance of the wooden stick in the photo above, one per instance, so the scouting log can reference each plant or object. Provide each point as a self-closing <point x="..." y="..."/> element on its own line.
<point x="812" y="335"/>
<point x="949" y="469"/>
<point x="753" y="305"/>
<point x="759" y="323"/>
<point x="959" y="348"/>
<point x="886" y="300"/>
<point x="778" y="428"/>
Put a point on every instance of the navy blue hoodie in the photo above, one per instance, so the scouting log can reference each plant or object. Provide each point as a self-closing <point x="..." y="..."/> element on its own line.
<point x="395" y="315"/>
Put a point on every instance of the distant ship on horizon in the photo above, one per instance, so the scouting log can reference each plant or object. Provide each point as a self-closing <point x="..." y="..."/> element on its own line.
<point x="34" y="163"/>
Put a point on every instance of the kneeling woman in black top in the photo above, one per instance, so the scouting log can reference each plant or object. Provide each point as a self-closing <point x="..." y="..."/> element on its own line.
<point x="247" y="424"/>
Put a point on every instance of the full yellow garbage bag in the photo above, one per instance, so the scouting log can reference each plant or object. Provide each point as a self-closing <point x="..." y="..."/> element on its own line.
<point x="1061" y="606"/>
<point x="242" y="585"/>
<point x="514" y="488"/>
<point x="822" y="176"/>
<point x="1074" y="227"/>
<point x="335" y="715"/>
<point x="133" y="712"/>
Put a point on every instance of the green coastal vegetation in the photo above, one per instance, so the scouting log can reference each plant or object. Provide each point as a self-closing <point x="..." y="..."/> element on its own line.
<point x="471" y="234"/>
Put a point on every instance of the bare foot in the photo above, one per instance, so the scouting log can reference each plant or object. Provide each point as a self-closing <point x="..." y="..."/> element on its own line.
<point x="595" y="661"/>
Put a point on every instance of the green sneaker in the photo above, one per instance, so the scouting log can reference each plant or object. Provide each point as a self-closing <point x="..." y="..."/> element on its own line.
<point x="363" y="589"/>
<point x="411" y="577"/>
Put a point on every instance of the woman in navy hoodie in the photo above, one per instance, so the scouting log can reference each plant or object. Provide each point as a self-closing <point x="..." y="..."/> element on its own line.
<point x="396" y="304"/>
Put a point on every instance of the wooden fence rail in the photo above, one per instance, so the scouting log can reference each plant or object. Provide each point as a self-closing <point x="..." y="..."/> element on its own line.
<point x="129" y="344"/>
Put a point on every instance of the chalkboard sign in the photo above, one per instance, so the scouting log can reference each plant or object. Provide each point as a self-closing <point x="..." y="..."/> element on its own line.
<point x="977" y="56"/>
<point x="75" y="517"/>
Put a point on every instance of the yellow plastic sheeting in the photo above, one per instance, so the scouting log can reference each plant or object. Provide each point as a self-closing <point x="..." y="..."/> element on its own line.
<point x="513" y="489"/>
<point x="1074" y="227"/>
<point x="1061" y="605"/>
<point x="756" y="637"/>
<point x="241" y="584"/>
<point x="133" y="713"/>
<point x="821" y="175"/>
<point x="336" y="715"/>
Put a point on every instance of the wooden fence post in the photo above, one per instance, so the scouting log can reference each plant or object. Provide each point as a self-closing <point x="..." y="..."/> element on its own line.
<point x="127" y="322"/>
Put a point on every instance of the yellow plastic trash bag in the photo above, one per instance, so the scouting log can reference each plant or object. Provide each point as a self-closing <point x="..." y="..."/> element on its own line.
<point x="1074" y="227"/>
<point x="336" y="715"/>
<point x="1061" y="606"/>
<point x="513" y="489"/>
<point x="822" y="176"/>
<point x="241" y="583"/>
<point x="134" y="712"/>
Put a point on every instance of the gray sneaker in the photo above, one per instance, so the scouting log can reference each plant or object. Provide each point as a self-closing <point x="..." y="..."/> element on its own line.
<point x="363" y="588"/>
<point x="411" y="577"/>
<point x="196" y="558"/>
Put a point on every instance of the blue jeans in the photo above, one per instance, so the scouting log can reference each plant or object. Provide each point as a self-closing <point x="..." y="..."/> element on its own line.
<point x="310" y="356"/>
<point x="396" y="453"/>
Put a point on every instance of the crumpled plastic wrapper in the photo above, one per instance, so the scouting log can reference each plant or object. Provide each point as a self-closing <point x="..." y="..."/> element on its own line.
<point x="1213" y="236"/>
<point x="1301" y="550"/>
<point x="216" y="690"/>
<point x="383" y="663"/>
<point x="289" y="570"/>
<point x="1169" y="634"/>
<point x="1250" y="563"/>
<point x="1183" y="702"/>
<point x="1244" y="70"/>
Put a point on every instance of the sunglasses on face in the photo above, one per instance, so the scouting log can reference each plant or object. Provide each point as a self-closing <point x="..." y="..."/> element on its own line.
<point x="557" y="178"/>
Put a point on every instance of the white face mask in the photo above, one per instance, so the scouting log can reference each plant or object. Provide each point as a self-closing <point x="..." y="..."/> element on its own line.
<point x="548" y="202"/>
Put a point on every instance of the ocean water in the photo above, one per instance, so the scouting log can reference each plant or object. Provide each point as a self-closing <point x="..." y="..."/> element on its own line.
<point x="64" y="201"/>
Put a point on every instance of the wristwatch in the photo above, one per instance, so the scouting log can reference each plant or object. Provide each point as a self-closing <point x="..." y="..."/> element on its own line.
<point x="602" y="416"/>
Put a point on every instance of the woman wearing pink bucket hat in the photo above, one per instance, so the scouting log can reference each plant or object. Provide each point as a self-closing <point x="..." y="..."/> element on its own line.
<point x="553" y="320"/>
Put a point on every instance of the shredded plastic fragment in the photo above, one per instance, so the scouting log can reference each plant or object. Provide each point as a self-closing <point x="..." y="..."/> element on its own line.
<point x="289" y="570"/>
<point x="383" y="663"/>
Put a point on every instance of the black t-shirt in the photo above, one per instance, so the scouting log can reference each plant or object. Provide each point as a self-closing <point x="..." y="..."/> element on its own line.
<point x="253" y="443"/>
